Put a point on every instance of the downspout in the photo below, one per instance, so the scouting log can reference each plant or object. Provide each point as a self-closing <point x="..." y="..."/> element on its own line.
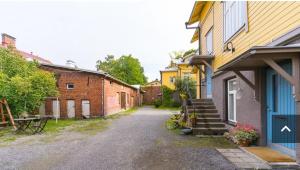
<point x="103" y="94"/>
<point x="102" y="97"/>
<point x="198" y="27"/>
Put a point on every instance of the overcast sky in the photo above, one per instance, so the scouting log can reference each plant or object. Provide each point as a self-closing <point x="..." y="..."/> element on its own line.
<point x="87" y="31"/>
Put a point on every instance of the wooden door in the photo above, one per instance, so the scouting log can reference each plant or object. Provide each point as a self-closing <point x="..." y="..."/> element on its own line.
<point x="71" y="108"/>
<point x="56" y="108"/>
<point x="123" y="100"/>
<point x="85" y="108"/>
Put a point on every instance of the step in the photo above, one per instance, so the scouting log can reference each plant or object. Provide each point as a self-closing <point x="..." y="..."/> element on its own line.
<point x="203" y="103"/>
<point x="202" y="119"/>
<point x="202" y="107"/>
<point x="202" y="110"/>
<point x="210" y="124"/>
<point x="208" y="115"/>
<point x="202" y="100"/>
<point x="209" y="131"/>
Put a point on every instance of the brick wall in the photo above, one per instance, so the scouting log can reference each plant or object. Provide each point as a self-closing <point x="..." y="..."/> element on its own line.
<point x="89" y="86"/>
<point x="113" y="91"/>
<point x="151" y="94"/>
<point x="86" y="87"/>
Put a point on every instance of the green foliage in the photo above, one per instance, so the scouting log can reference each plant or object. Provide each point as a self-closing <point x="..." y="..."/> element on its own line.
<point x="126" y="68"/>
<point x="167" y="96"/>
<point x="181" y="54"/>
<point x="185" y="87"/>
<point x="171" y="124"/>
<point x="157" y="103"/>
<point x="22" y="83"/>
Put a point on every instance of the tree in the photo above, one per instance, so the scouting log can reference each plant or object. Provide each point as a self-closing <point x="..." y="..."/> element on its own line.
<point x="186" y="87"/>
<point x="126" y="68"/>
<point x="22" y="83"/>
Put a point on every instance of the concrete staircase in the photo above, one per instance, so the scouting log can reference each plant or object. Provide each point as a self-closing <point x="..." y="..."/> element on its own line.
<point x="208" y="120"/>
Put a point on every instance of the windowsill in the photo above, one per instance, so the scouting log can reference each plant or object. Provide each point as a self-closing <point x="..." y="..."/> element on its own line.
<point x="243" y="28"/>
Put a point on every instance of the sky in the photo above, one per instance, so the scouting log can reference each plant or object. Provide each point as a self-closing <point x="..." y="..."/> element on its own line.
<point x="86" y="31"/>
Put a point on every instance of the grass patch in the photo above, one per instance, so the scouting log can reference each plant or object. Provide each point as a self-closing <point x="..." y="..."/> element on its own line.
<point x="53" y="127"/>
<point x="168" y="108"/>
<point x="123" y="113"/>
<point x="90" y="127"/>
<point x="205" y="142"/>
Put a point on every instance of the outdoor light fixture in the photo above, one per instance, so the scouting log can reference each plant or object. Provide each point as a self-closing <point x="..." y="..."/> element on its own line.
<point x="229" y="47"/>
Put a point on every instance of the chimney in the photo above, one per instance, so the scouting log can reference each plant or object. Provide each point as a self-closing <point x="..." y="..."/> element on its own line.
<point x="8" y="40"/>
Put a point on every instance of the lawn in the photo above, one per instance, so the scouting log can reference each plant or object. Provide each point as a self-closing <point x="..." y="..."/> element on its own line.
<point x="53" y="128"/>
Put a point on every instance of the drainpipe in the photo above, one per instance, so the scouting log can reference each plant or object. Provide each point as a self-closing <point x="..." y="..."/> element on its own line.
<point x="198" y="27"/>
<point x="103" y="94"/>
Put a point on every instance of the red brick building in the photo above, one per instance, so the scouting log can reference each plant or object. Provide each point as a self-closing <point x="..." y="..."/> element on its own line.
<point x="86" y="93"/>
<point x="152" y="91"/>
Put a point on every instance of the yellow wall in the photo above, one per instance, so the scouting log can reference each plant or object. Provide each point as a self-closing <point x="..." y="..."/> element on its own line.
<point x="266" y="22"/>
<point x="182" y="68"/>
<point x="165" y="78"/>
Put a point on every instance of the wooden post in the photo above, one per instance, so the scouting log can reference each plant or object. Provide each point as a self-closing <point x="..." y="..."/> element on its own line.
<point x="9" y="113"/>
<point x="2" y="113"/>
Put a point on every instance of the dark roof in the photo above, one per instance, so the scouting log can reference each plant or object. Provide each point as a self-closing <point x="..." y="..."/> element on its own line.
<point x="252" y="57"/>
<point x="100" y="72"/>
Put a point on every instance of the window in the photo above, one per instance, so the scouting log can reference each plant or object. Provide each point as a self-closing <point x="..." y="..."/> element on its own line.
<point x="186" y="75"/>
<point x="172" y="79"/>
<point x="209" y="42"/>
<point x="234" y="17"/>
<point x="231" y="100"/>
<point x="70" y="86"/>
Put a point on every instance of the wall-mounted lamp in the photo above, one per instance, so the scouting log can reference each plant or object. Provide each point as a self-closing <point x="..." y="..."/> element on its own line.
<point x="229" y="47"/>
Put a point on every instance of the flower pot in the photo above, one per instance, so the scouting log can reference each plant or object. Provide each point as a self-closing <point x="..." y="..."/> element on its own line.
<point x="244" y="143"/>
<point x="193" y="122"/>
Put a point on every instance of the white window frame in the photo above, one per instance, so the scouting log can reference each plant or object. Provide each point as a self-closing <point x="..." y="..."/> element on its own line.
<point x="187" y="75"/>
<point x="69" y="87"/>
<point x="232" y="24"/>
<point x="172" y="79"/>
<point x="209" y="42"/>
<point x="231" y="92"/>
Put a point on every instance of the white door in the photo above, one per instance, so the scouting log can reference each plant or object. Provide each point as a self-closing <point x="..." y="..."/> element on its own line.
<point x="71" y="108"/>
<point x="56" y="108"/>
<point x="42" y="111"/>
<point x="231" y="105"/>
<point x="85" y="108"/>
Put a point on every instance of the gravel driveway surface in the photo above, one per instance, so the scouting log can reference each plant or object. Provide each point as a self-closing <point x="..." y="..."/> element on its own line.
<point x="138" y="141"/>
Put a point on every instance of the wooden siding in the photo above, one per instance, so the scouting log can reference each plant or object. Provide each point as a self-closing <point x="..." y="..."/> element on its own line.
<point x="266" y="22"/>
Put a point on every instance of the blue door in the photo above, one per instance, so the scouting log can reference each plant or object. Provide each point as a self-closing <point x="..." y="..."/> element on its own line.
<point x="208" y="74"/>
<point x="280" y="101"/>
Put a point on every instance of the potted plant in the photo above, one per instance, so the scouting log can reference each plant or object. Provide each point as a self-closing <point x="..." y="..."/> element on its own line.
<point x="193" y="119"/>
<point x="243" y="135"/>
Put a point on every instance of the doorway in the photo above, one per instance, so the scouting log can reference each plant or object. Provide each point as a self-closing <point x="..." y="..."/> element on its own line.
<point x="71" y="108"/>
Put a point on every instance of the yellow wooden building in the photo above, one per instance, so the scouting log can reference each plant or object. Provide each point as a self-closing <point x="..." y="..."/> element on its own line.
<point x="249" y="52"/>
<point x="180" y="69"/>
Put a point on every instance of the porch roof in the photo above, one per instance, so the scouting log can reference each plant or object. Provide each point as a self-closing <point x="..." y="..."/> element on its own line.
<point x="198" y="59"/>
<point x="254" y="57"/>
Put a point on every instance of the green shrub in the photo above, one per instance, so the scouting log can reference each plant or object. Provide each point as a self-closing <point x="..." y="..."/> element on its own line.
<point x="171" y="124"/>
<point x="157" y="103"/>
<point x="167" y="96"/>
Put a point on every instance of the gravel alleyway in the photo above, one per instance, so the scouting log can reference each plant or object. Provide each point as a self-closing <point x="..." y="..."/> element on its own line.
<point x="138" y="141"/>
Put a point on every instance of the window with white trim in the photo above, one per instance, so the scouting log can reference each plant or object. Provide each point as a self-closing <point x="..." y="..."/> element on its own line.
<point x="209" y="42"/>
<point x="235" y="13"/>
<point x="70" y="86"/>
